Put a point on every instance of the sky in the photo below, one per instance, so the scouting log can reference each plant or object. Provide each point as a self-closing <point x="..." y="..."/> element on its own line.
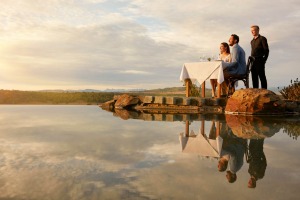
<point x="133" y="44"/>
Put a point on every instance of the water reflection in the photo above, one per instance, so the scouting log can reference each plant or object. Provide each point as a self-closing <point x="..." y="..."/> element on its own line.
<point x="232" y="154"/>
<point x="230" y="138"/>
<point x="200" y="144"/>
<point x="242" y="126"/>
<point x="256" y="158"/>
<point x="233" y="140"/>
<point x="79" y="152"/>
<point x="250" y="127"/>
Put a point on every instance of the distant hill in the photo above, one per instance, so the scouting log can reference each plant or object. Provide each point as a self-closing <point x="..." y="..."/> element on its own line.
<point x="169" y="90"/>
<point x="93" y="90"/>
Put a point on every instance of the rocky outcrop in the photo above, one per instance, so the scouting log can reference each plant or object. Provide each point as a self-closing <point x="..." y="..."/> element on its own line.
<point x="255" y="102"/>
<point x="244" y="101"/>
<point x="165" y="104"/>
<point x="109" y="105"/>
<point x="126" y="100"/>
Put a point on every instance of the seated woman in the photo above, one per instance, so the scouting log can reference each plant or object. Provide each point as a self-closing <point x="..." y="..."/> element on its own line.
<point x="226" y="57"/>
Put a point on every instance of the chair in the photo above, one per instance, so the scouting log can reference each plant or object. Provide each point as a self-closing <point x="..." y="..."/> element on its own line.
<point x="245" y="77"/>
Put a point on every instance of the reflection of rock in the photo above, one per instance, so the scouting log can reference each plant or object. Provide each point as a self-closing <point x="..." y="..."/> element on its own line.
<point x="255" y="101"/>
<point x="250" y="127"/>
<point x="126" y="114"/>
<point x="133" y="114"/>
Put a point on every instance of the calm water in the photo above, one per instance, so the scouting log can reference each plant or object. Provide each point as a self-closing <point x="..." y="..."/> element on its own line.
<point x="83" y="152"/>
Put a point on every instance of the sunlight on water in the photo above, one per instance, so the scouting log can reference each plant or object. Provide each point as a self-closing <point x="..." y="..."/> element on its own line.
<point x="83" y="152"/>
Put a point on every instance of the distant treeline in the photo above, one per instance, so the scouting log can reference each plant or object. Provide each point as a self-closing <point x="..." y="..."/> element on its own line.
<point x="36" y="97"/>
<point x="166" y="90"/>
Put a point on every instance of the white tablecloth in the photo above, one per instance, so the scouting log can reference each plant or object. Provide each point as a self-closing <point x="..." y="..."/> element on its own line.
<point x="201" y="71"/>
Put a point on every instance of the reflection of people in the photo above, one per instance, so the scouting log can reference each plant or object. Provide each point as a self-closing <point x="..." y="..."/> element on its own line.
<point x="232" y="155"/>
<point x="226" y="57"/>
<point x="259" y="50"/>
<point x="237" y="66"/>
<point x="213" y="131"/>
<point x="257" y="161"/>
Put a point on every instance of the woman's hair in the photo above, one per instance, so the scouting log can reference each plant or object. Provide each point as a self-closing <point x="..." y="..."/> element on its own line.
<point x="226" y="46"/>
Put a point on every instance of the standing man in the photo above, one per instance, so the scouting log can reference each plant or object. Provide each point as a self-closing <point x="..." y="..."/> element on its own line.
<point x="259" y="50"/>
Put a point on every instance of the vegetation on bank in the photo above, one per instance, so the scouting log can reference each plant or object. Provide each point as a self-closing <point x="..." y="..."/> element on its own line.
<point x="291" y="92"/>
<point x="176" y="90"/>
<point x="75" y="98"/>
<point x="34" y="97"/>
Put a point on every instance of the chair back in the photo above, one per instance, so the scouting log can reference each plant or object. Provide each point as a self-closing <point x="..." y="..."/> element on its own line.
<point x="250" y="62"/>
<point x="245" y="77"/>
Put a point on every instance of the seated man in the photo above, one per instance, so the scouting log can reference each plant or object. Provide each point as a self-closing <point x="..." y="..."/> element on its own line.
<point x="237" y="66"/>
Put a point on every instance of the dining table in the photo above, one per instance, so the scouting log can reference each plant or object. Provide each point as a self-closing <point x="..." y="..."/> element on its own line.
<point x="200" y="72"/>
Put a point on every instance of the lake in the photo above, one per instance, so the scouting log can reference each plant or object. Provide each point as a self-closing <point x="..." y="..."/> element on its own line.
<point x="84" y="152"/>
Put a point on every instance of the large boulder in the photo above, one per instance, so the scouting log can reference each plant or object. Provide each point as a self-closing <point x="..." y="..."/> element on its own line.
<point x="255" y="101"/>
<point x="126" y="100"/>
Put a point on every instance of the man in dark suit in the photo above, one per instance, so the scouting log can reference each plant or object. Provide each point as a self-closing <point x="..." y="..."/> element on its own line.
<point x="259" y="50"/>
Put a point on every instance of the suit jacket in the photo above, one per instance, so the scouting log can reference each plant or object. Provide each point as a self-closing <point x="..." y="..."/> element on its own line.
<point x="238" y="64"/>
<point x="260" y="49"/>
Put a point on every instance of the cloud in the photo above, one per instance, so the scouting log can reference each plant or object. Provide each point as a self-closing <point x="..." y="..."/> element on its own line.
<point x="91" y="54"/>
<point x="133" y="44"/>
<point x="135" y="72"/>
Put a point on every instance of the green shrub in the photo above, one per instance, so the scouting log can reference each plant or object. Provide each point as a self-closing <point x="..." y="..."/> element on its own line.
<point x="291" y="92"/>
<point x="195" y="91"/>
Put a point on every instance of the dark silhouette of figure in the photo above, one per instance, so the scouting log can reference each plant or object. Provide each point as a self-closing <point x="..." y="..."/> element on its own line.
<point x="213" y="131"/>
<point x="257" y="161"/>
